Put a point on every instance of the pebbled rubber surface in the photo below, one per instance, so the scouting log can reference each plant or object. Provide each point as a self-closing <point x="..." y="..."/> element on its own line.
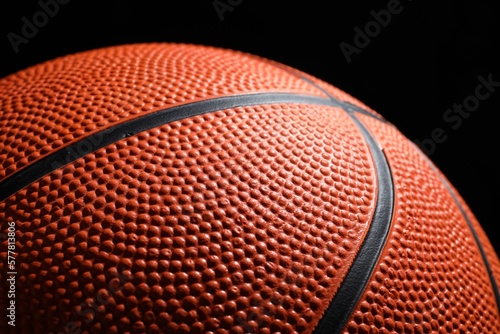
<point x="243" y="220"/>
<point x="431" y="276"/>
<point x="492" y="257"/>
<point x="51" y="105"/>
<point x="240" y="220"/>
<point x="329" y="90"/>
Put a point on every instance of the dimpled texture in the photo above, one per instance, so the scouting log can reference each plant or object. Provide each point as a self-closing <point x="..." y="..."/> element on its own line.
<point x="491" y="255"/>
<point x="489" y="251"/>
<point x="239" y="221"/>
<point x="244" y="220"/>
<point x="431" y="276"/>
<point x="51" y="105"/>
<point x="324" y="86"/>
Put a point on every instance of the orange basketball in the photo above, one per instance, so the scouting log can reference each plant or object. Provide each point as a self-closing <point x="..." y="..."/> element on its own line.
<point x="176" y="188"/>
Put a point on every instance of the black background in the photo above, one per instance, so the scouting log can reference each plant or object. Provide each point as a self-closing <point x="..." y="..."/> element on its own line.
<point x="426" y="59"/>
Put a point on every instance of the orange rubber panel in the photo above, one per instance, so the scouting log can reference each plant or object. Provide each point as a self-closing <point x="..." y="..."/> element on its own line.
<point x="226" y="193"/>
<point x="489" y="251"/>
<point x="431" y="277"/>
<point x="332" y="91"/>
<point x="51" y="105"/>
<point x="238" y="221"/>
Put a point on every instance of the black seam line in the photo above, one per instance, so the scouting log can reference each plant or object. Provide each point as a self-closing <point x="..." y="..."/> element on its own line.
<point x="494" y="284"/>
<point x="354" y="284"/>
<point x="347" y="106"/>
<point x="91" y="143"/>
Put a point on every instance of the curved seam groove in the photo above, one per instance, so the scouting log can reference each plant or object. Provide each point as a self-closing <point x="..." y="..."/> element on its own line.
<point x="347" y="106"/>
<point x="494" y="284"/>
<point x="354" y="284"/>
<point x="348" y="295"/>
<point x="100" y="139"/>
<point x="357" y="278"/>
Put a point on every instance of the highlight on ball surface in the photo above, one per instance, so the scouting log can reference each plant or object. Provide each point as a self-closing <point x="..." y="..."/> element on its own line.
<point x="180" y="188"/>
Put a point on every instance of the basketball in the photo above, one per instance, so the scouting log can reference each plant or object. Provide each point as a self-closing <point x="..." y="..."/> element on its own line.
<point x="182" y="188"/>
